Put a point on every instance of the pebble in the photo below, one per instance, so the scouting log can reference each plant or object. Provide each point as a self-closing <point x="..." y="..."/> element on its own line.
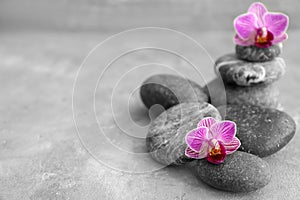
<point x="221" y="93"/>
<point x="243" y="73"/>
<point x="169" y="90"/>
<point x="256" y="54"/>
<point x="262" y="131"/>
<point x="166" y="136"/>
<point x="240" y="172"/>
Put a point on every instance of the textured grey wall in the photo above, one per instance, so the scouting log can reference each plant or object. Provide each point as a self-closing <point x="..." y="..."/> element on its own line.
<point x="122" y="14"/>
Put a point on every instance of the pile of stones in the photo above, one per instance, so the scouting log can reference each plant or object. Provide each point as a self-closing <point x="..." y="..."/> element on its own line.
<point x="249" y="76"/>
<point x="251" y="102"/>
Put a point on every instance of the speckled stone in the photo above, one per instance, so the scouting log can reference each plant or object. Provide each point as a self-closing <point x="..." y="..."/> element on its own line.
<point x="240" y="172"/>
<point x="169" y="90"/>
<point x="263" y="95"/>
<point x="256" y="54"/>
<point x="166" y="137"/>
<point x="262" y="131"/>
<point x="243" y="73"/>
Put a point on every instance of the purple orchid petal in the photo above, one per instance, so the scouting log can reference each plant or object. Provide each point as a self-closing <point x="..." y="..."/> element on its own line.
<point x="241" y="42"/>
<point x="207" y="122"/>
<point x="277" y="23"/>
<point x="280" y="38"/>
<point x="196" y="137"/>
<point x="245" y="25"/>
<point x="232" y="146"/>
<point x="259" y="10"/>
<point x="224" y="131"/>
<point x="260" y="28"/>
<point x="196" y="155"/>
<point x="191" y="153"/>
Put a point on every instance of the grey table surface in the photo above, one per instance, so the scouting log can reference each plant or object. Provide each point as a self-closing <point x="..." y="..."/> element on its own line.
<point x="41" y="154"/>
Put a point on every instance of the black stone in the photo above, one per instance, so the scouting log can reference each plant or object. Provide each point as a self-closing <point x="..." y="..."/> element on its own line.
<point x="262" y="131"/>
<point x="169" y="90"/>
<point x="256" y="54"/>
<point x="264" y="95"/>
<point x="240" y="172"/>
<point x="243" y="73"/>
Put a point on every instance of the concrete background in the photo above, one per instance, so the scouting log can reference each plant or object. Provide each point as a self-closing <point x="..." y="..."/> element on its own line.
<point x="107" y="15"/>
<point x="41" y="153"/>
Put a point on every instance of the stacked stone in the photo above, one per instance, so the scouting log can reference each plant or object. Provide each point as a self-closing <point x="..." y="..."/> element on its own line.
<point x="251" y="101"/>
<point x="249" y="76"/>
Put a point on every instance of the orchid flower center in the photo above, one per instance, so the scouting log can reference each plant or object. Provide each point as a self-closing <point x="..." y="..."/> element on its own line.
<point x="216" y="149"/>
<point x="263" y="37"/>
<point x="217" y="152"/>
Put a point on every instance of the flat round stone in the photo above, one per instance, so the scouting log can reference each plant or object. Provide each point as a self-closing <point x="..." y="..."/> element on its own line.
<point x="169" y="90"/>
<point x="240" y="172"/>
<point x="262" y="131"/>
<point x="263" y="95"/>
<point x="243" y="73"/>
<point x="256" y="54"/>
<point x="166" y="137"/>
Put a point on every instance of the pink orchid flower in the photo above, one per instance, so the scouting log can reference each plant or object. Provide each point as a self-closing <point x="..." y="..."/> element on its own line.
<point x="213" y="140"/>
<point x="260" y="28"/>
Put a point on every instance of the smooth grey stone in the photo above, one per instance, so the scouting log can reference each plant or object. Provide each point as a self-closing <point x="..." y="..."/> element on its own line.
<point x="243" y="73"/>
<point x="240" y="172"/>
<point x="166" y="137"/>
<point x="256" y="54"/>
<point x="221" y="93"/>
<point x="169" y="90"/>
<point x="262" y="131"/>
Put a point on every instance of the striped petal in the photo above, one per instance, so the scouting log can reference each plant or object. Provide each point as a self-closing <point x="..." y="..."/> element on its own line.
<point x="194" y="154"/>
<point x="196" y="137"/>
<point x="248" y="42"/>
<point x="207" y="122"/>
<point x="224" y="131"/>
<point x="276" y="23"/>
<point x="280" y="38"/>
<point x="259" y="10"/>
<point x="232" y="146"/>
<point x="245" y="25"/>
<point x="191" y="153"/>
